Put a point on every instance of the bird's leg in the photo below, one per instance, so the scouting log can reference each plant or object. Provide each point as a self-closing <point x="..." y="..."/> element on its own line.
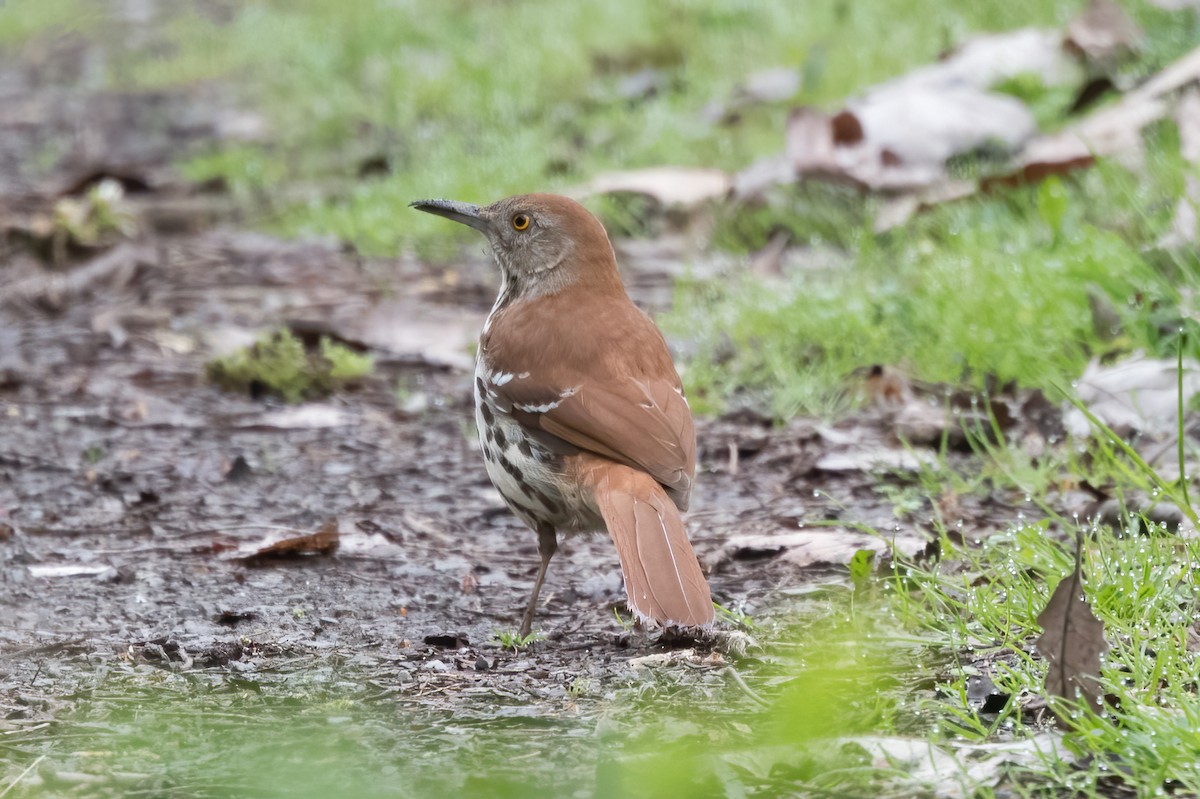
<point x="547" y="546"/>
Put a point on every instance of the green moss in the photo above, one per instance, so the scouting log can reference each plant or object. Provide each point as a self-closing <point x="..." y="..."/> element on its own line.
<point x="279" y="364"/>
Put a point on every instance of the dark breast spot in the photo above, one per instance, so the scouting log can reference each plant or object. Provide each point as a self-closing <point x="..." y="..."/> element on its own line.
<point x="501" y="439"/>
<point x="510" y="467"/>
<point x="548" y="503"/>
<point x="486" y="412"/>
<point x="523" y="445"/>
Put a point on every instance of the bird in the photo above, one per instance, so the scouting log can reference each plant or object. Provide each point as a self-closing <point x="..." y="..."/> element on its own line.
<point x="582" y="417"/>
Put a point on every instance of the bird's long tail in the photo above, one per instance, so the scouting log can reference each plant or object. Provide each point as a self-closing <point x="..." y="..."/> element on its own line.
<point x="662" y="576"/>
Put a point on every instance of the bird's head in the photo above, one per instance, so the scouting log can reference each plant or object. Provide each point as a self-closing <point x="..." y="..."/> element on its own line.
<point x="542" y="242"/>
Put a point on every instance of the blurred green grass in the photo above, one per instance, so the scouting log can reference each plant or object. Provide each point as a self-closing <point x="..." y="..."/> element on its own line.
<point x="477" y="100"/>
<point x="994" y="288"/>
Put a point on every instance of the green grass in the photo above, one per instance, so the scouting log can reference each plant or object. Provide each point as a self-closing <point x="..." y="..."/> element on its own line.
<point x="994" y="286"/>
<point x="479" y="100"/>
<point x="22" y="20"/>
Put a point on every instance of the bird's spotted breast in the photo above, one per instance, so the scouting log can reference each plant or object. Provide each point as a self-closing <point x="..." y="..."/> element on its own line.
<point x="526" y="473"/>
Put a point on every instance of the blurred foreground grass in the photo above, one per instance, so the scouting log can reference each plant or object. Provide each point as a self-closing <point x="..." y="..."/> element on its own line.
<point x="476" y="100"/>
<point x="870" y="689"/>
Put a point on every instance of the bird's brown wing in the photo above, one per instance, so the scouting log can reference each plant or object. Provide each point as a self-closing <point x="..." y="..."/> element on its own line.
<point x="641" y="422"/>
<point x="602" y="381"/>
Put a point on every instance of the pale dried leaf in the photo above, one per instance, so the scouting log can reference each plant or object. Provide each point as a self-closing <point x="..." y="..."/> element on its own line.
<point x="70" y="570"/>
<point x="819" y="546"/>
<point x="961" y="770"/>
<point x="765" y="173"/>
<point x="900" y="138"/>
<point x="869" y="459"/>
<point x="1114" y="131"/>
<point x="1137" y="394"/>
<point x="770" y="85"/>
<point x="928" y="125"/>
<point x="672" y="186"/>
<point x="1187" y="119"/>
<point x="311" y="416"/>
<point x="1103" y="31"/>
<point x="984" y="61"/>
<point x="433" y="334"/>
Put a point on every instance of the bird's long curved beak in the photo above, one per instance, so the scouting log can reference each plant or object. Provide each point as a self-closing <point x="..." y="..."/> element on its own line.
<point x="465" y="213"/>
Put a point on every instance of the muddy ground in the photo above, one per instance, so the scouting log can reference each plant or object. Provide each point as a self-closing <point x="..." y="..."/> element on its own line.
<point x="132" y="490"/>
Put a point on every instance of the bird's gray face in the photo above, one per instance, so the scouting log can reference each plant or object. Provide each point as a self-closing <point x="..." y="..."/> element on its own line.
<point x="528" y="240"/>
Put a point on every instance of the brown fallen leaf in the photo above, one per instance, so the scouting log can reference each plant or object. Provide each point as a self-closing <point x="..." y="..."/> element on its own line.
<point x="1073" y="641"/>
<point x="323" y="542"/>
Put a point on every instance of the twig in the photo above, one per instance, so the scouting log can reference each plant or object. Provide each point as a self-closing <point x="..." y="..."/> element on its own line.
<point x="750" y="692"/>
<point x="21" y="776"/>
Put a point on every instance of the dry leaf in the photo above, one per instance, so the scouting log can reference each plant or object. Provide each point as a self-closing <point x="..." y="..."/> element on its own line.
<point x="323" y="542"/>
<point x="311" y="416"/>
<point x="71" y="570"/>
<point x="434" y="334"/>
<point x="1187" y="119"/>
<point x="1138" y="394"/>
<point x="672" y="186"/>
<point x="1073" y="641"/>
<point x="820" y="546"/>
<point x="873" y="458"/>
<point x="900" y="137"/>
<point x="986" y="60"/>
<point x="1103" y="32"/>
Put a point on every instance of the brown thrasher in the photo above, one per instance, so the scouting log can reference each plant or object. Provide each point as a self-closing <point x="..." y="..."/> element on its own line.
<point x="581" y="413"/>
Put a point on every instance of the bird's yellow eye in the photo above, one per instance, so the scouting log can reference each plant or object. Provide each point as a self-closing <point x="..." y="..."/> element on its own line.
<point x="520" y="221"/>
